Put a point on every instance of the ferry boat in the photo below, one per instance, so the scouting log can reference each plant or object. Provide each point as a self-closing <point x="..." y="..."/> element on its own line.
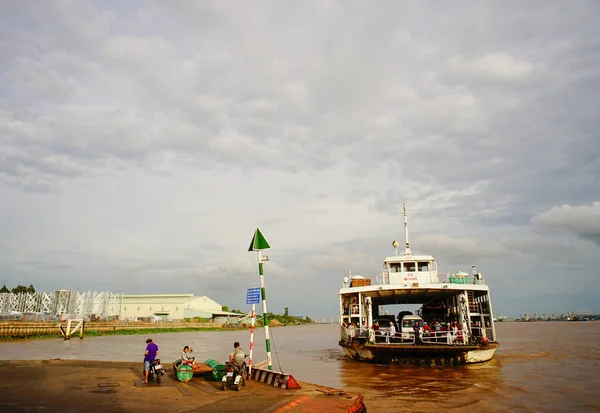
<point x="453" y="312"/>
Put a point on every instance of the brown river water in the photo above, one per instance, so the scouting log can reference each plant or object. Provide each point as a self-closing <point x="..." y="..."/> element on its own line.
<point x="539" y="367"/>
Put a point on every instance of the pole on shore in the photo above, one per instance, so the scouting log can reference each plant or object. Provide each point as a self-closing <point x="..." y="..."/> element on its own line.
<point x="251" y="340"/>
<point x="258" y="244"/>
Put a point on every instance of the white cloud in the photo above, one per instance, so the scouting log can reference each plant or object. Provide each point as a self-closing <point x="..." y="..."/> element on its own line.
<point x="499" y="66"/>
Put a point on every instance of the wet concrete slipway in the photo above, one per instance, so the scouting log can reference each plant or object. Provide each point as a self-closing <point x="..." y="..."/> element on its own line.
<point x="103" y="374"/>
<point x="101" y="386"/>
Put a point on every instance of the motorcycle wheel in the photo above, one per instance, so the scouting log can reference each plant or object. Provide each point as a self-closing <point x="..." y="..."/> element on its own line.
<point x="223" y="386"/>
<point x="238" y="387"/>
<point x="157" y="378"/>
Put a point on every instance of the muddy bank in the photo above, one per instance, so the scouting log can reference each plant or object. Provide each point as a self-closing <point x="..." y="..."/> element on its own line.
<point x="99" y="386"/>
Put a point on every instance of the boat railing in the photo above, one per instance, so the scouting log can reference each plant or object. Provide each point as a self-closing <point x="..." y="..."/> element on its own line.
<point x="448" y="278"/>
<point x="382" y="337"/>
<point x="442" y="278"/>
<point x="349" y="333"/>
<point x="478" y="332"/>
<point x="446" y="337"/>
<point x="440" y="338"/>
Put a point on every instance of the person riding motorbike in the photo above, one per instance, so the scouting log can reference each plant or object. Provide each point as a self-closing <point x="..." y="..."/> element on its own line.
<point x="236" y="358"/>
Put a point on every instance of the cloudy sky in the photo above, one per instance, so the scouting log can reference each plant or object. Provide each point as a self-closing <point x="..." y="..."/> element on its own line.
<point x="141" y="144"/>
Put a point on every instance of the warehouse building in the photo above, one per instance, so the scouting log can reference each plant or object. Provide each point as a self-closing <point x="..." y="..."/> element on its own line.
<point x="168" y="306"/>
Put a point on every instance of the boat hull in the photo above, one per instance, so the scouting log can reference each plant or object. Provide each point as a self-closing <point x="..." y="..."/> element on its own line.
<point x="427" y="355"/>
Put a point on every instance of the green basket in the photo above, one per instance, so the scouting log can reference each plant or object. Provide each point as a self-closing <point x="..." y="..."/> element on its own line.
<point x="184" y="373"/>
<point x="218" y="370"/>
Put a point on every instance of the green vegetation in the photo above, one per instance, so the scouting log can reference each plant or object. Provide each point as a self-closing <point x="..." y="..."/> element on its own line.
<point x="198" y="320"/>
<point x="90" y="332"/>
<point x="286" y="320"/>
<point x="18" y="289"/>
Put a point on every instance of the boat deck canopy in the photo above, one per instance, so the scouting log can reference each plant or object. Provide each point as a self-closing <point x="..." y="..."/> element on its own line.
<point x="417" y="295"/>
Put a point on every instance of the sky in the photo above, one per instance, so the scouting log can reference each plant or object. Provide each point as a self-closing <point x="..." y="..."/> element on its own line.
<point x="142" y="143"/>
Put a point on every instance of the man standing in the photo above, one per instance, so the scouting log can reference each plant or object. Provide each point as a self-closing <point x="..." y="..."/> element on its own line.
<point x="417" y="333"/>
<point x="149" y="356"/>
<point x="391" y="333"/>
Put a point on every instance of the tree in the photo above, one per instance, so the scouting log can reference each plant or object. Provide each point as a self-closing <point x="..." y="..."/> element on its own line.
<point x="225" y="308"/>
<point x="4" y="289"/>
<point x="30" y="289"/>
<point x="19" y="289"/>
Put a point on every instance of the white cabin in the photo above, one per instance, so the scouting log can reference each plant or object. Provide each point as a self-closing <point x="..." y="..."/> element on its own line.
<point x="409" y="269"/>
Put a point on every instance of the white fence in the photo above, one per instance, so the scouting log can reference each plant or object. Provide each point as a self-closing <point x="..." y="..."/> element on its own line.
<point x="61" y="302"/>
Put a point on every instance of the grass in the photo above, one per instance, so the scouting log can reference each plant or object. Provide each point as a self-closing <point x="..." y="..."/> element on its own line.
<point x="130" y="332"/>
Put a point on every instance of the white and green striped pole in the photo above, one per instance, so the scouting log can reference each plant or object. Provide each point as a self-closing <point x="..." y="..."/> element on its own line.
<point x="258" y="244"/>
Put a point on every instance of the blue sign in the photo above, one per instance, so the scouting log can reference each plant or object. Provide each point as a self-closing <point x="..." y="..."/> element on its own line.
<point x="253" y="296"/>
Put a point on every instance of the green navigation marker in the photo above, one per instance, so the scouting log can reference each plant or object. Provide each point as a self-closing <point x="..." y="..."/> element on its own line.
<point x="258" y="244"/>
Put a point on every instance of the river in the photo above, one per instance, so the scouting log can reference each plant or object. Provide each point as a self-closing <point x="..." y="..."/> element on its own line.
<point x="539" y="367"/>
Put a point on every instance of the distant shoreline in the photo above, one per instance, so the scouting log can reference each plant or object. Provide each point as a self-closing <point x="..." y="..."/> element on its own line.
<point x="28" y="331"/>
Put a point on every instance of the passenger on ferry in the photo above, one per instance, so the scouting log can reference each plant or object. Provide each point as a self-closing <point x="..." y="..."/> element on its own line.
<point x="458" y="334"/>
<point x="426" y="331"/>
<point x="376" y="331"/>
<point x="449" y="333"/>
<point x="352" y="331"/>
<point x="437" y="330"/>
<point x="391" y="333"/>
<point x="376" y="325"/>
<point x="417" y="333"/>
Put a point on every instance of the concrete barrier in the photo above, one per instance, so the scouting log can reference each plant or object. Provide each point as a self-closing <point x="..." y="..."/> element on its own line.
<point x="285" y="381"/>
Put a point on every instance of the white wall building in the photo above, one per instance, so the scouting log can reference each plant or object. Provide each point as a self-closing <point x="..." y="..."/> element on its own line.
<point x="168" y="306"/>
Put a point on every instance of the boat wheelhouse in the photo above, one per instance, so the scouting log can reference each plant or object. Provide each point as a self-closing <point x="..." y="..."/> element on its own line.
<point x="453" y="321"/>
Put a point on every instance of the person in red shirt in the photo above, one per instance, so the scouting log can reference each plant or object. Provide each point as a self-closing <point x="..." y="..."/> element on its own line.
<point x="426" y="331"/>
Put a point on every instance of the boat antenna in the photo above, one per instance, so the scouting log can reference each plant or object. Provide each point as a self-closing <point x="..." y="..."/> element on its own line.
<point x="407" y="245"/>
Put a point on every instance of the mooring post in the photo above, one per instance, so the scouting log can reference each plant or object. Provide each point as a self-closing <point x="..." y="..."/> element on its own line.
<point x="81" y="330"/>
<point x="68" y="336"/>
<point x="258" y="244"/>
<point x="62" y="331"/>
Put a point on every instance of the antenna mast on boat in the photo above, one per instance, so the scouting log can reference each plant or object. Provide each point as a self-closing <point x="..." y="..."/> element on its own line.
<point x="407" y="245"/>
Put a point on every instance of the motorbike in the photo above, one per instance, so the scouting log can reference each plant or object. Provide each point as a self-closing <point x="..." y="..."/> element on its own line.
<point x="156" y="371"/>
<point x="234" y="377"/>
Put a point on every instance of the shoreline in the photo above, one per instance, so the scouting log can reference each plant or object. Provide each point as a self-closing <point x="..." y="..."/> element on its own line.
<point x="24" y="330"/>
<point x="14" y="331"/>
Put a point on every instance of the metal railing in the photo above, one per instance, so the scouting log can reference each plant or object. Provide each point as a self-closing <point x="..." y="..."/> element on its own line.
<point x="440" y="278"/>
<point x="60" y="302"/>
<point x="382" y="337"/>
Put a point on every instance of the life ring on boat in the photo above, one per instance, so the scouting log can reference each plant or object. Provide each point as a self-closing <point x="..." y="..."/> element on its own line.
<point x="484" y="341"/>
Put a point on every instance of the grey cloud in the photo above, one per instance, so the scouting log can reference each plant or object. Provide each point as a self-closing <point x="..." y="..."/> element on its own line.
<point x="581" y="220"/>
<point x="480" y="116"/>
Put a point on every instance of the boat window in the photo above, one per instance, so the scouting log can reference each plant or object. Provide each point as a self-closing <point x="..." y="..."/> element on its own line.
<point x="423" y="266"/>
<point x="395" y="267"/>
<point x="409" y="267"/>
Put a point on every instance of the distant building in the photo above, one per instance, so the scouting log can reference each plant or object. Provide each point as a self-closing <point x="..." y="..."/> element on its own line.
<point x="168" y="306"/>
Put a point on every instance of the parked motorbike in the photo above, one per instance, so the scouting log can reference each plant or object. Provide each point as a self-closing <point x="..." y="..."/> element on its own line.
<point x="234" y="377"/>
<point x="156" y="371"/>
